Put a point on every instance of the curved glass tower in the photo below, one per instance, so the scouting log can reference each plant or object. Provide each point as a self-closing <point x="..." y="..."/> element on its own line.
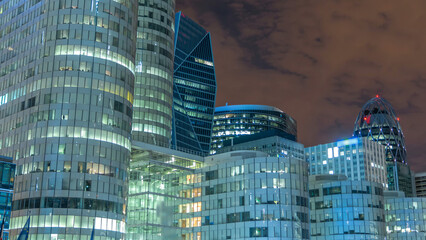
<point x="152" y="117"/>
<point x="66" y="93"/>
<point x="239" y="120"/>
<point x="377" y="121"/>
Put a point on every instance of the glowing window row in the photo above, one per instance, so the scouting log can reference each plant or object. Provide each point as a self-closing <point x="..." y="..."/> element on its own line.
<point x="151" y="70"/>
<point x="90" y="168"/>
<point x="154" y="105"/>
<point x="87" y="133"/>
<point x="194" y="114"/>
<point x="78" y="50"/>
<point x="208" y="63"/>
<point x="190" y="193"/>
<point x="69" y="221"/>
<point x="67" y="82"/>
<point x="140" y="127"/>
<point x="190" y="222"/>
<point x="195" y="85"/>
<point x="190" y="207"/>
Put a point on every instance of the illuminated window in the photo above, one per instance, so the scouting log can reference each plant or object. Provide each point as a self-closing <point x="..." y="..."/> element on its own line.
<point x="336" y="152"/>
<point x="330" y="152"/>
<point x="203" y="62"/>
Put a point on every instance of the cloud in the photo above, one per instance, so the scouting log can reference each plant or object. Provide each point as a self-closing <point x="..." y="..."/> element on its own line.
<point x="320" y="61"/>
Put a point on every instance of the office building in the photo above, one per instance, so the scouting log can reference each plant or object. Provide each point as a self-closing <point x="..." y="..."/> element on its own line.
<point x="248" y="195"/>
<point x="357" y="158"/>
<point x="238" y="120"/>
<point x="152" y="109"/>
<point x="271" y="142"/>
<point x="405" y="216"/>
<point x="66" y="96"/>
<point x="345" y="209"/>
<point x="194" y="87"/>
<point x="161" y="192"/>
<point x="7" y="177"/>
<point x="420" y="183"/>
<point x="377" y="121"/>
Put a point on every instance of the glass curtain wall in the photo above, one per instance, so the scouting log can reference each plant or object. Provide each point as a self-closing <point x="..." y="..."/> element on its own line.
<point x="66" y="94"/>
<point x="152" y="117"/>
<point x="161" y="194"/>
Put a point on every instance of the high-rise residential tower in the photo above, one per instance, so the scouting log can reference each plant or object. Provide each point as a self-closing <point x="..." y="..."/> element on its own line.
<point x="194" y="87"/>
<point x="152" y="110"/>
<point x="378" y="122"/>
<point x="66" y="93"/>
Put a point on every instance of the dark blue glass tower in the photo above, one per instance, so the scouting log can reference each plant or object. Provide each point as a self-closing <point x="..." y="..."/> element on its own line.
<point x="7" y="177"/>
<point x="194" y="87"/>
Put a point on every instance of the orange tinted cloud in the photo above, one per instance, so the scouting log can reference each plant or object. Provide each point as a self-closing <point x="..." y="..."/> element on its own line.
<point x="320" y="61"/>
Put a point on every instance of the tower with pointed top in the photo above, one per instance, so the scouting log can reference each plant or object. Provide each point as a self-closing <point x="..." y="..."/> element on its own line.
<point x="377" y="121"/>
<point x="194" y="87"/>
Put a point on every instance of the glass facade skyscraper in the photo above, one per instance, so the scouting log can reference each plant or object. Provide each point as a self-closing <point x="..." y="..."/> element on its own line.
<point x="248" y="195"/>
<point x="194" y="87"/>
<point x="378" y="122"/>
<point x="152" y="109"/>
<point x="239" y="120"/>
<point x="356" y="158"/>
<point x="7" y="178"/>
<point x="66" y="93"/>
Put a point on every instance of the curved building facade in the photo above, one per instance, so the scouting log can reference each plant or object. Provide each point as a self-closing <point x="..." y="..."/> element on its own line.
<point x="377" y="121"/>
<point x="239" y="120"/>
<point x="152" y="116"/>
<point x="345" y="209"/>
<point x="66" y="93"/>
<point x="248" y="195"/>
<point x="405" y="217"/>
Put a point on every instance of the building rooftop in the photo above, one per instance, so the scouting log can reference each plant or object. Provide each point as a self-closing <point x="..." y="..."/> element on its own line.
<point x="246" y="107"/>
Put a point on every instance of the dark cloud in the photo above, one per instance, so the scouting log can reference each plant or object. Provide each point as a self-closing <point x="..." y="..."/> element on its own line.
<point x="321" y="61"/>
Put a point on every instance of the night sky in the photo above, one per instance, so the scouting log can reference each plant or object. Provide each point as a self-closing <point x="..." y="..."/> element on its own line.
<point x="321" y="61"/>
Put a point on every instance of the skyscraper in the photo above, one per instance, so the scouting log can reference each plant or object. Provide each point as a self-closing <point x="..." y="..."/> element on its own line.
<point x="194" y="87"/>
<point x="66" y="93"/>
<point x="377" y="121"/>
<point x="238" y="120"/>
<point x="152" y="110"/>
<point x="357" y="158"/>
<point x="249" y="195"/>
